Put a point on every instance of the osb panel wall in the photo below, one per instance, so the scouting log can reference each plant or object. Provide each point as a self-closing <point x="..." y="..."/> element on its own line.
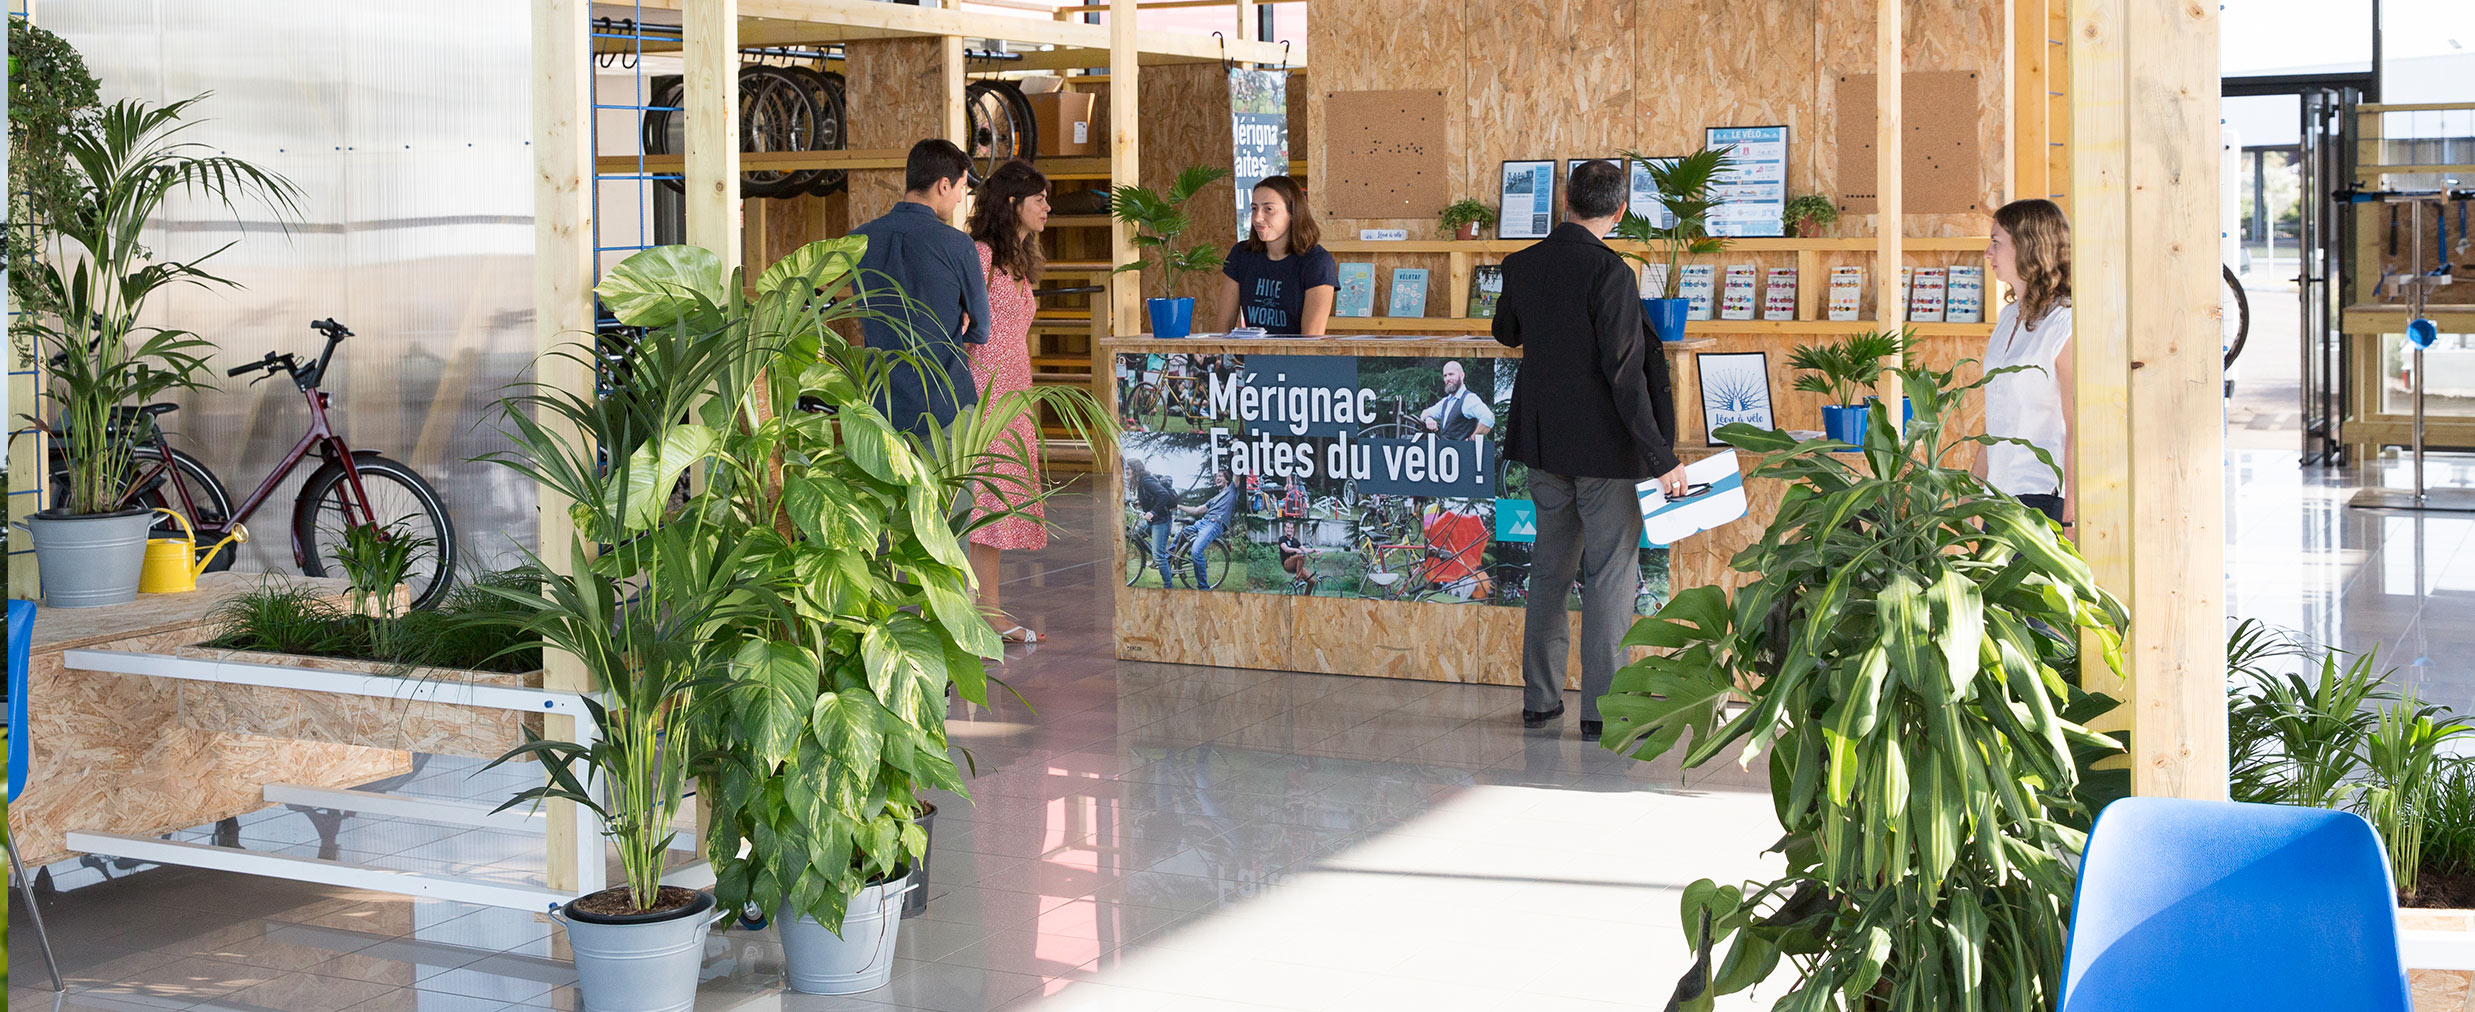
<point x="895" y="95"/>
<point x="1585" y="78"/>
<point x="1184" y="120"/>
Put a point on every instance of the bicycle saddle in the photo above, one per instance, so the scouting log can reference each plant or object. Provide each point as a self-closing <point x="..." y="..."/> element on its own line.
<point x="155" y="410"/>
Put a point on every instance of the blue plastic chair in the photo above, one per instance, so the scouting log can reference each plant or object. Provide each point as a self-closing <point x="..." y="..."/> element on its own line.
<point x="2218" y="905"/>
<point x="21" y="649"/>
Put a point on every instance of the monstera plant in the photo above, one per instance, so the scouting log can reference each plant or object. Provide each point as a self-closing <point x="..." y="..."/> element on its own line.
<point x="1907" y="646"/>
<point x="832" y="727"/>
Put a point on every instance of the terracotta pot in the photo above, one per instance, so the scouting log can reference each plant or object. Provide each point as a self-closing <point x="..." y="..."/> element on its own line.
<point x="1467" y="232"/>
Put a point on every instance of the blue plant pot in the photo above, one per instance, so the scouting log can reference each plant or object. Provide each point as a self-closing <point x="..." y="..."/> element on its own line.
<point x="1666" y="317"/>
<point x="1171" y="317"/>
<point x="1844" y="422"/>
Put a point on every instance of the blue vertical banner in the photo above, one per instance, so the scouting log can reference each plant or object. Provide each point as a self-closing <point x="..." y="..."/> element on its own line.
<point x="1259" y="130"/>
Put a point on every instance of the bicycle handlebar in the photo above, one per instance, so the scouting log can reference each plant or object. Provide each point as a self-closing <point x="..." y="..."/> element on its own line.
<point x="333" y="330"/>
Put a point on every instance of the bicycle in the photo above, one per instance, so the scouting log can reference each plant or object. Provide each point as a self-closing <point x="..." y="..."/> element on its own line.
<point x="1217" y="559"/>
<point x="349" y="487"/>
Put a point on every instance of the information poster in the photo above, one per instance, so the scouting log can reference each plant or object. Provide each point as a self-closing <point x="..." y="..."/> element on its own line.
<point x="1331" y="476"/>
<point x="1259" y="122"/>
<point x="1527" y="201"/>
<point x="1753" y="191"/>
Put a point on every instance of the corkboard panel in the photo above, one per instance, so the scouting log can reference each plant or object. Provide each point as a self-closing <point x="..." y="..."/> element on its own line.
<point x="895" y="95"/>
<point x="1389" y="155"/>
<point x="1417" y="44"/>
<point x="1941" y="166"/>
<point x="1937" y="36"/>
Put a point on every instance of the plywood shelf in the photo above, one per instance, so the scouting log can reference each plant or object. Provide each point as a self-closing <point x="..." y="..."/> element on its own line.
<point x="1919" y="244"/>
<point x="1477" y="325"/>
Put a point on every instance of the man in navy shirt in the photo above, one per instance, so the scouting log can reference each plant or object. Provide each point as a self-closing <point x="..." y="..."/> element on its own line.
<point x="939" y="270"/>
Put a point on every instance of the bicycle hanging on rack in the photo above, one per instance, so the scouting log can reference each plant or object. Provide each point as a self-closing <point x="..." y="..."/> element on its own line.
<point x="349" y="487"/>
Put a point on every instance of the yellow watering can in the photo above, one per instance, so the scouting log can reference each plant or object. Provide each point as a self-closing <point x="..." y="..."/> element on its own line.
<point x="172" y="564"/>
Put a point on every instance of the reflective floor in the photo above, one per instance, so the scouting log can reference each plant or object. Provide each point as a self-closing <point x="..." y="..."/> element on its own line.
<point x="1140" y="837"/>
<point x="1148" y="837"/>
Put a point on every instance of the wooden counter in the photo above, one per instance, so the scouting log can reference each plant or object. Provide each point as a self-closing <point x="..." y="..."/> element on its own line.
<point x="1454" y="642"/>
<point x="116" y="753"/>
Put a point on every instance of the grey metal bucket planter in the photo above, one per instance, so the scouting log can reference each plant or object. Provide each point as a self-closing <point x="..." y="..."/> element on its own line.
<point x="89" y="560"/>
<point x="651" y="965"/>
<point x="861" y="958"/>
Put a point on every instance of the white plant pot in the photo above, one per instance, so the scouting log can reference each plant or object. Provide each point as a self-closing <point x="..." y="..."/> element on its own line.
<point x="632" y="965"/>
<point x="861" y="958"/>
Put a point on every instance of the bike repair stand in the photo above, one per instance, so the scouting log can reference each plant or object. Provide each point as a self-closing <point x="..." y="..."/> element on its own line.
<point x="2420" y="333"/>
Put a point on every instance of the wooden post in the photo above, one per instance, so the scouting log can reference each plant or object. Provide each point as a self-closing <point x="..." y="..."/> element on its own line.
<point x="2151" y="437"/>
<point x="563" y="269"/>
<point x="957" y="121"/>
<point x="1125" y="165"/>
<point x="710" y="49"/>
<point x="1890" y="222"/>
<point x="2029" y="85"/>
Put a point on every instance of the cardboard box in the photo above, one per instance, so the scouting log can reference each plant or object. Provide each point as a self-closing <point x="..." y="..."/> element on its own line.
<point x="1066" y="127"/>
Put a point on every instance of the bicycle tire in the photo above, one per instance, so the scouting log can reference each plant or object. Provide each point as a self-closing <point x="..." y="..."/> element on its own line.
<point x="989" y="129"/>
<point x="2243" y="314"/>
<point x="1026" y="124"/>
<point x="212" y="500"/>
<point x="1143" y="400"/>
<point x="1138" y="559"/>
<point x="663" y="128"/>
<point x="317" y="531"/>
<point x="1215" y="568"/>
<point x="832" y="126"/>
<point x="776" y="116"/>
<point x="1390" y="430"/>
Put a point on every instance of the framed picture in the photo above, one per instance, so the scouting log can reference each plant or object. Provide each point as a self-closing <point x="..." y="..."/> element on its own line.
<point x="1574" y="163"/>
<point x="1644" y="199"/>
<point x="1735" y="388"/>
<point x="1753" y="190"/>
<point x="1528" y="200"/>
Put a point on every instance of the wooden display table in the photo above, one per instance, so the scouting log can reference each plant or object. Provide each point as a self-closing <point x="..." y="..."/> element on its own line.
<point x="1473" y="635"/>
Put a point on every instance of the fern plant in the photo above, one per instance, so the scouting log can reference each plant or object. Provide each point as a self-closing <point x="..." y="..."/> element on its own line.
<point x="1160" y="221"/>
<point x="1845" y="372"/>
<point x="1688" y="186"/>
<point x="1905" y="642"/>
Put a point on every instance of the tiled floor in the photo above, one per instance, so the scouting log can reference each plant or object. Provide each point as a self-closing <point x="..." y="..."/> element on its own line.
<point x="1152" y="837"/>
<point x="1158" y="837"/>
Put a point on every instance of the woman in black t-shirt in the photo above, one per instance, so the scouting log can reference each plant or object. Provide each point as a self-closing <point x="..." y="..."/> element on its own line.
<point x="1280" y="279"/>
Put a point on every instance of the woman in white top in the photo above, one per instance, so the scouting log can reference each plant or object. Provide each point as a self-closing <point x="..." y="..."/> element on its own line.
<point x="2031" y="255"/>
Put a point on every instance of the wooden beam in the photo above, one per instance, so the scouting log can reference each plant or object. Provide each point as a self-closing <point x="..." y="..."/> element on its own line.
<point x="2101" y="346"/>
<point x="763" y="161"/>
<point x="712" y="101"/>
<point x="1125" y="165"/>
<point x="2028" y="101"/>
<point x="957" y="123"/>
<point x="1890" y="222"/>
<point x="563" y="271"/>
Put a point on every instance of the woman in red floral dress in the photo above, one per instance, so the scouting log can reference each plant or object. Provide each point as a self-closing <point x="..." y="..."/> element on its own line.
<point x="1011" y="209"/>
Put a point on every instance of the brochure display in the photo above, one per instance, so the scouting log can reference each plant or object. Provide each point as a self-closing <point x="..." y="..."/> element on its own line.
<point x="1736" y="300"/>
<point x="1699" y="289"/>
<point x="1527" y="200"/>
<point x="1966" y="302"/>
<point x="1779" y="294"/>
<point x="1334" y="476"/>
<point x="1754" y="187"/>
<point x="1409" y="292"/>
<point x="1356" y="296"/>
<point x="1486" y="286"/>
<point x="1847" y="293"/>
<point x="1925" y="301"/>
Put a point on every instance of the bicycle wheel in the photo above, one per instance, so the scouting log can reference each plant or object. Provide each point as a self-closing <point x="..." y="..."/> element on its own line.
<point x="207" y="495"/>
<point x="1138" y="559"/>
<point x="2238" y="312"/>
<point x="776" y="115"/>
<point x="825" y="89"/>
<point x="665" y="130"/>
<point x="1391" y="430"/>
<point x="1141" y="403"/>
<point x="993" y="139"/>
<point x="1026" y="125"/>
<point x="1217" y="559"/>
<point x="1164" y="407"/>
<point x="399" y="499"/>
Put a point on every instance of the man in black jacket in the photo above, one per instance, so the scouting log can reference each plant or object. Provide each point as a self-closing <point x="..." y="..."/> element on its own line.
<point x="1592" y="413"/>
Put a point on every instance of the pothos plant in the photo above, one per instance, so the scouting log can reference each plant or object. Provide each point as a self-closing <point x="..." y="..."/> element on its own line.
<point x="1906" y="643"/>
<point x="833" y="726"/>
<point x="1689" y="188"/>
<point x="50" y="94"/>
<point x="1160" y="220"/>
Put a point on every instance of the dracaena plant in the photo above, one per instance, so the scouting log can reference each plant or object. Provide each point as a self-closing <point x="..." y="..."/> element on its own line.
<point x="834" y="726"/>
<point x="1845" y="372"/>
<point x="96" y="275"/>
<point x="1905" y="643"/>
<point x="1161" y="220"/>
<point x="1689" y="187"/>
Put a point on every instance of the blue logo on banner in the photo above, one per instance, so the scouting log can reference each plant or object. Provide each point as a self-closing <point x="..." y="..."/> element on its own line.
<point x="1516" y="520"/>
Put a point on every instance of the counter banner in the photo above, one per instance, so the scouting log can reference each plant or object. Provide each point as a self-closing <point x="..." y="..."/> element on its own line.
<point x="1330" y="475"/>
<point x="1259" y="130"/>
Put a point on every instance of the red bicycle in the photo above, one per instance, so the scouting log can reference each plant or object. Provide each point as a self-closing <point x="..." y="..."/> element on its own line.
<point x="349" y="488"/>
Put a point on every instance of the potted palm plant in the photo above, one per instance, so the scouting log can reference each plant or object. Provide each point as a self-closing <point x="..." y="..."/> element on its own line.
<point x="1845" y="372"/>
<point x="95" y="278"/>
<point x="834" y="725"/>
<point x="1906" y="641"/>
<point x="1688" y="186"/>
<point x="1465" y="217"/>
<point x="650" y="622"/>
<point x="1159" y="221"/>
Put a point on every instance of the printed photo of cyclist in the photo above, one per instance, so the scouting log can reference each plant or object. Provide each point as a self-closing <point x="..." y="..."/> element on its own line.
<point x="1171" y="392"/>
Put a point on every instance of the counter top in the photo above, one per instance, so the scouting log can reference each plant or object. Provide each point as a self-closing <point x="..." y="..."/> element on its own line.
<point x="57" y="629"/>
<point x="1348" y="344"/>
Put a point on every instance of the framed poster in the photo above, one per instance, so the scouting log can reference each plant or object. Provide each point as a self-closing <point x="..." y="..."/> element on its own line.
<point x="1735" y="388"/>
<point x="1645" y="200"/>
<point x="1527" y="199"/>
<point x="1753" y="190"/>
<point x="1574" y="163"/>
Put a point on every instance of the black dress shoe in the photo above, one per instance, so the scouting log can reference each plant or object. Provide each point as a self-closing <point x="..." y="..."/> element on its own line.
<point x="1590" y="729"/>
<point x="1539" y="718"/>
